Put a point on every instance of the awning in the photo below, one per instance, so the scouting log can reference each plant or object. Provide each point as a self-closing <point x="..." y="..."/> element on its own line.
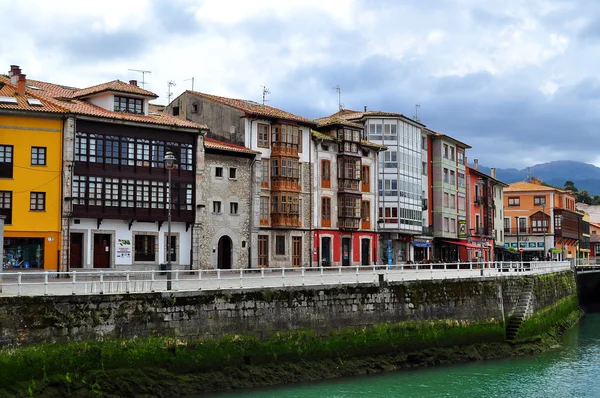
<point x="466" y="244"/>
<point x="421" y="244"/>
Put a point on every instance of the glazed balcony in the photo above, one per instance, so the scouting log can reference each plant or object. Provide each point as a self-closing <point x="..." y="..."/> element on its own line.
<point x="285" y="220"/>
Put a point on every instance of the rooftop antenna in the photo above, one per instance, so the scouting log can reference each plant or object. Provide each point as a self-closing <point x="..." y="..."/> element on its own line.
<point x="339" y="91"/>
<point x="417" y="106"/>
<point x="264" y="93"/>
<point x="143" y="72"/>
<point x="170" y="84"/>
<point x="528" y="174"/>
<point x="192" y="79"/>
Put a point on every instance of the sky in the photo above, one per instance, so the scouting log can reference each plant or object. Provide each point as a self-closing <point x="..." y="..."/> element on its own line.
<point x="516" y="80"/>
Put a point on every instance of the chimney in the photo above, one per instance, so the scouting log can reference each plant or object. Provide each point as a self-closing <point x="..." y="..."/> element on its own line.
<point x="536" y="181"/>
<point x="493" y="172"/>
<point x="365" y="108"/>
<point x="21" y="84"/>
<point x="476" y="164"/>
<point x="14" y="73"/>
<point x="133" y="82"/>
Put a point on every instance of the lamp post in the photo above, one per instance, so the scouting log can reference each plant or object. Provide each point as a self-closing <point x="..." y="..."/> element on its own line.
<point x="518" y="244"/>
<point x="169" y="164"/>
<point x="544" y="223"/>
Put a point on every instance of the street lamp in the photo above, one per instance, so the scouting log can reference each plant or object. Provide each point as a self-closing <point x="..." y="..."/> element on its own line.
<point x="169" y="164"/>
<point x="544" y="224"/>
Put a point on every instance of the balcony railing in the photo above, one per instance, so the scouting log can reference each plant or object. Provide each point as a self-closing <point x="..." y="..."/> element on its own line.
<point x="281" y="220"/>
<point x="427" y="231"/>
<point x="526" y="230"/>
<point x="348" y="185"/>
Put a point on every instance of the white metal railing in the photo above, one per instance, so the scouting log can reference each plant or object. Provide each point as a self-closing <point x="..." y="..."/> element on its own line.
<point x="37" y="283"/>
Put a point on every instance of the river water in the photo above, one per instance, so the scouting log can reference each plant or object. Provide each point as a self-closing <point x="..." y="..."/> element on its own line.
<point x="571" y="369"/>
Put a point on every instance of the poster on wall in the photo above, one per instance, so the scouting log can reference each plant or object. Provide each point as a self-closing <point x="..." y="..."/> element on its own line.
<point x="123" y="248"/>
<point x="462" y="228"/>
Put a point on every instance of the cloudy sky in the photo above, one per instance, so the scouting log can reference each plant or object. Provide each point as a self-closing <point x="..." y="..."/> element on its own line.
<point x="517" y="80"/>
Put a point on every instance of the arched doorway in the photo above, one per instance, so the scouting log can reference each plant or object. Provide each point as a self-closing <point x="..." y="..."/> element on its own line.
<point x="224" y="253"/>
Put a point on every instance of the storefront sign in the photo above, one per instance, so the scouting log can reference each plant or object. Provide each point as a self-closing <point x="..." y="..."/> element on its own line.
<point x="123" y="248"/>
<point x="462" y="228"/>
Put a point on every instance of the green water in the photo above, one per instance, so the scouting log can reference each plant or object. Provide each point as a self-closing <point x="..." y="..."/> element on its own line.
<point x="571" y="369"/>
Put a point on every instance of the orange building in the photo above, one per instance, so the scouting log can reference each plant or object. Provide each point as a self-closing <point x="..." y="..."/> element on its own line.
<point x="540" y="222"/>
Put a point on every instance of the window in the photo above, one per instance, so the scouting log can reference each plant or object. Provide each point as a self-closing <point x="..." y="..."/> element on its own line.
<point x="38" y="156"/>
<point x="265" y="173"/>
<point x="216" y="206"/>
<point x="445" y="151"/>
<point x="452" y="153"/>
<point x="445" y="175"/>
<point x="172" y="248"/>
<point x="446" y="224"/>
<point x="264" y="211"/>
<point x="195" y="108"/>
<point x="175" y="111"/>
<point x="514" y="202"/>
<point x="219" y="172"/>
<point x="37" y="201"/>
<point x="263" y="251"/>
<point x="461" y="180"/>
<point x="423" y="142"/>
<point x="424" y="168"/>
<point x="366" y="178"/>
<point x="461" y="201"/>
<point x="280" y="245"/>
<point x="451" y="179"/>
<point x="539" y="200"/>
<point x="365" y="214"/>
<point x="461" y="156"/>
<point x="6" y="161"/>
<point x="390" y="159"/>
<point x="6" y="206"/>
<point x="325" y="173"/>
<point x="232" y="173"/>
<point x="299" y="141"/>
<point x="446" y="199"/>
<point x="233" y="208"/>
<point x="133" y="105"/>
<point x="326" y="212"/>
<point x="145" y="249"/>
<point x="263" y="135"/>
<point x="507" y="225"/>
<point x="284" y="136"/>
<point x="452" y="201"/>
<point x="453" y="225"/>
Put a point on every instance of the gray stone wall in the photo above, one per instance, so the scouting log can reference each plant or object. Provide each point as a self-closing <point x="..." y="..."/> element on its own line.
<point x="225" y="123"/>
<point x="213" y="226"/>
<point x="68" y="157"/>
<point x="213" y="314"/>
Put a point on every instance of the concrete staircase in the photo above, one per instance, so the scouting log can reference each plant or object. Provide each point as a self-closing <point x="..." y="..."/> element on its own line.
<point x="516" y="319"/>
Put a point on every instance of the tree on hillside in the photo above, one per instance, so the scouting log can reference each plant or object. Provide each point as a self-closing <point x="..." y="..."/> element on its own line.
<point x="584" y="197"/>
<point x="596" y="200"/>
<point x="570" y="186"/>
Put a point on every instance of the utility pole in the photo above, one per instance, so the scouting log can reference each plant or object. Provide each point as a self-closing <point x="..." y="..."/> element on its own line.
<point x="265" y="91"/>
<point x="143" y="72"/>
<point x="417" y="106"/>
<point x="192" y="79"/>
<point x="170" y="84"/>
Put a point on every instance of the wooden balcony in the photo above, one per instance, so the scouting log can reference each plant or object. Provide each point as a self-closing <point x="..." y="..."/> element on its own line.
<point x="279" y="150"/>
<point x="293" y="186"/>
<point x="284" y="220"/>
<point x="348" y="223"/>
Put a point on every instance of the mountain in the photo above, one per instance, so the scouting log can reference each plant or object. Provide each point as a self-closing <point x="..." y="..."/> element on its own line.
<point x="584" y="175"/>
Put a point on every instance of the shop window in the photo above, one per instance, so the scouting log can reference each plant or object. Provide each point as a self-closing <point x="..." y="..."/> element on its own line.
<point x="145" y="249"/>
<point x="23" y="253"/>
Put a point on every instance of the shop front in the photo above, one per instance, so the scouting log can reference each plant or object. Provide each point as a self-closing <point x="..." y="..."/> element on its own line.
<point x="29" y="250"/>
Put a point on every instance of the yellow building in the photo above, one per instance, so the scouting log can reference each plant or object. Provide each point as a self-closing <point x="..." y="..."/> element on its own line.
<point x="30" y="176"/>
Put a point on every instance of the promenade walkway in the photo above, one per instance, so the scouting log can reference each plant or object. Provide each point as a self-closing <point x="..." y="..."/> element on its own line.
<point x="32" y="283"/>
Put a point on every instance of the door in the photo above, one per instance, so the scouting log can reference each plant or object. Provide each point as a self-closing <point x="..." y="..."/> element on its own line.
<point x="102" y="250"/>
<point x="263" y="251"/>
<point x="326" y="252"/>
<point x="76" y="251"/>
<point x="296" y="251"/>
<point x="224" y="253"/>
<point x="365" y="251"/>
<point x="346" y="250"/>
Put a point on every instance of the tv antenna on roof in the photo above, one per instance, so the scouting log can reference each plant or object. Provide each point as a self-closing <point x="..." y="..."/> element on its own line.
<point x="192" y="79"/>
<point x="417" y="106"/>
<point x="170" y="84"/>
<point x="143" y="72"/>
<point x="265" y="91"/>
<point x="339" y="91"/>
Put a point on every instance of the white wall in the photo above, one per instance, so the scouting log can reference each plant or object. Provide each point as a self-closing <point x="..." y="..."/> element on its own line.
<point x="120" y="230"/>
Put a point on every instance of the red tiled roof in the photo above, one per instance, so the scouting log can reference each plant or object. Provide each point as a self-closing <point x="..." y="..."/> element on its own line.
<point x="60" y="99"/>
<point x="115" y="85"/>
<point x="8" y="90"/>
<point x="524" y="186"/>
<point x="254" y="108"/>
<point x="226" y="146"/>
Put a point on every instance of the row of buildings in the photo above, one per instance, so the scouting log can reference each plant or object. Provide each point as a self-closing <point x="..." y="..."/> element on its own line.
<point x="83" y="184"/>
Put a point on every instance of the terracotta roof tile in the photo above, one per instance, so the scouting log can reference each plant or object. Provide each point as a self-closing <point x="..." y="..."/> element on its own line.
<point x="524" y="186"/>
<point x="226" y="146"/>
<point x="254" y="108"/>
<point x="335" y="120"/>
<point x="8" y="90"/>
<point x="115" y="85"/>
